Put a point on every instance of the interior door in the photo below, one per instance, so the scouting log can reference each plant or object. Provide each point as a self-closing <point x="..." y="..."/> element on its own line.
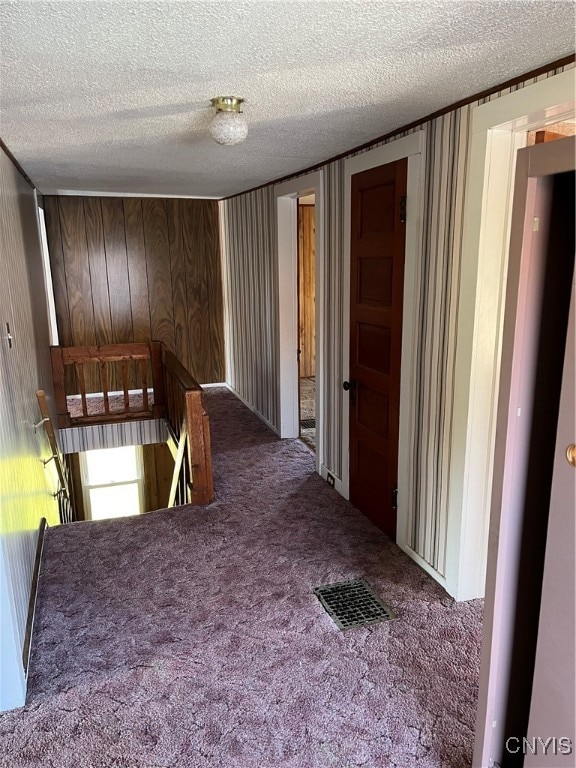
<point x="378" y="234"/>
<point x="553" y="705"/>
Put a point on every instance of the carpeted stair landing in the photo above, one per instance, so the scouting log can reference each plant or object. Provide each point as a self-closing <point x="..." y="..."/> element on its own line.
<point x="191" y="638"/>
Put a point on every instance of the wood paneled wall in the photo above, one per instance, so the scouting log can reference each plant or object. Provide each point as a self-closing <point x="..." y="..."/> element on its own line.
<point x="307" y="289"/>
<point x="137" y="269"/>
<point x="158" y="471"/>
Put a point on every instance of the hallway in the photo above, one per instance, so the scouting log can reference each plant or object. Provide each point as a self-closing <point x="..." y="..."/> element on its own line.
<point x="190" y="638"/>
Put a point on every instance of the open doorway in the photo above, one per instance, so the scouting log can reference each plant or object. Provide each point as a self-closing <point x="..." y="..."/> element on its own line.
<point x="307" y="319"/>
<point x="306" y="189"/>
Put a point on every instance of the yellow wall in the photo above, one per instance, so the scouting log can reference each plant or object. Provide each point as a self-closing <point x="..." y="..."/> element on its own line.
<point x="26" y="486"/>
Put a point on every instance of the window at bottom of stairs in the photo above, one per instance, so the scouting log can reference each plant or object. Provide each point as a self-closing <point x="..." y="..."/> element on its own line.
<point x="112" y="482"/>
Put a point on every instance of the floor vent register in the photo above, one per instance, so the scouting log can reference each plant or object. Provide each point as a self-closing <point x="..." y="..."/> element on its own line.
<point x="353" y="604"/>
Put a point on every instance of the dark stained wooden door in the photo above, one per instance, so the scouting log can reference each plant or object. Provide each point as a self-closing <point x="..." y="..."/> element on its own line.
<point x="378" y="234"/>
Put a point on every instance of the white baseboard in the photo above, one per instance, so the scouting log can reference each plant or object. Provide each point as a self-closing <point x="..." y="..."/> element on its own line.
<point x="338" y="484"/>
<point x="250" y="407"/>
<point x="424" y="565"/>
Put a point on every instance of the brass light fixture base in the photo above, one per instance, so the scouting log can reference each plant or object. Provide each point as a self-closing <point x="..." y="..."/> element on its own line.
<point x="227" y="103"/>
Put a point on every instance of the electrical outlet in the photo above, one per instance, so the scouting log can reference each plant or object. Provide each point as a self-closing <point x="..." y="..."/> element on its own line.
<point x="330" y="479"/>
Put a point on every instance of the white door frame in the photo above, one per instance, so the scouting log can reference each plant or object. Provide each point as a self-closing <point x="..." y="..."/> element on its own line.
<point x="287" y="195"/>
<point x="498" y="130"/>
<point x="515" y="425"/>
<point x="413" y="147"/>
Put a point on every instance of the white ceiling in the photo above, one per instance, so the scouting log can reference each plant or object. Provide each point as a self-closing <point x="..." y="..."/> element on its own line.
<point x="114" y="96"/>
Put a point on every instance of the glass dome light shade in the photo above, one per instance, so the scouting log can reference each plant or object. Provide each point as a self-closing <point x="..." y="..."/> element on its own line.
<point x="229" y="128"/>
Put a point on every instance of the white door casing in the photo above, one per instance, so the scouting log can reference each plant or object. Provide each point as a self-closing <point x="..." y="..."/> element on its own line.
<point x="498" y="129"/>
<point x="287" y="195"/>
<point x="413" y="147"/>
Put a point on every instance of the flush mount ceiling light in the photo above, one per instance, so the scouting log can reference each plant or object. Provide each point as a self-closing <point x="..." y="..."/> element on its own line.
<point x="229" y="125"/>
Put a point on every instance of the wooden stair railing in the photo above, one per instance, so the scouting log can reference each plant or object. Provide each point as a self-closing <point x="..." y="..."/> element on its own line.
<point x="192" y="481"/>
<point x="177" y="397"/>
<point x="63" y="495"/>
<point x="111" y="361"/>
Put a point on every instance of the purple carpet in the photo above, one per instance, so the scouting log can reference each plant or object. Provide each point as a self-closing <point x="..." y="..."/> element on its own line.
<point x="190" y="638"/>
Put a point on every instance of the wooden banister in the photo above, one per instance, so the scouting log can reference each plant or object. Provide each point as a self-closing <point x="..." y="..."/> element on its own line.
<point x="105" y="352"/>
<point x="157" y="379"/>
<point x="177" y="397"/>
<point x="63" y="493"/>
<point x="113" y="363"/>
<point x="59" y="386"/>
<point x="185" y="412"/>
<point x="177" y="371"/>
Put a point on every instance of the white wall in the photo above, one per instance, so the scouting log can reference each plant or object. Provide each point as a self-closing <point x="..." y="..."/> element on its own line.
<point x="25" y="485"/>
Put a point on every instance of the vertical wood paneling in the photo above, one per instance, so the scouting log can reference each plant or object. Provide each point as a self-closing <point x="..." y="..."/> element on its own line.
<point x="307" y="289"/>
<point x="137" y="270"/>
<point x="75" y="249"/>
<point x="158" y="471"/>
<point x="176" y="224"/>
<point x="73" y="460"/>
<point x="78" y="282"/>
<point x="117" y="267"/>
<point x="196" y="295"/>
<point x="58" y="269"/>
<point x="159" y="275"/>
<point x="211" y="233"/>
<point x="202" y="279"/>
<point x="147" y="269"/>
<point x="98" y="270"/>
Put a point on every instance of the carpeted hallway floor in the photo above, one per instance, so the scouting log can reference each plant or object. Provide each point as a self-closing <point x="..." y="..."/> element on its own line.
<point x="308" y="410"/>
<point x="190" y="638"/>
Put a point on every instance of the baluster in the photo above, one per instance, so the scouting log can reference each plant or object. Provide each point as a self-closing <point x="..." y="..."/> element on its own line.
<point x="125" y="386"/>
<point x="104" y="381"/>
<point x="82" y="385"/>
<point x="144" y="380"/>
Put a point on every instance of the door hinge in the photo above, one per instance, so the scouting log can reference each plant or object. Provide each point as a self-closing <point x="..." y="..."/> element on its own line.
<point x="403" y="209"/>
<point x="9" y="338"/>
<point x="394" y="498"/>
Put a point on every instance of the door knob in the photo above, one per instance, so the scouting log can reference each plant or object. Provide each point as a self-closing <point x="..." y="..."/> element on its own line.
<point x="350" y="386"/>
<point x="571" y="454"/>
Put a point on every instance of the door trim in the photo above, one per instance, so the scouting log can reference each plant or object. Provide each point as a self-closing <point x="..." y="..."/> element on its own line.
<point x="413" y="147"/>
<point x="505" y="528"/>
<point x="498" y="129"/>
<point x="287" y="195"/>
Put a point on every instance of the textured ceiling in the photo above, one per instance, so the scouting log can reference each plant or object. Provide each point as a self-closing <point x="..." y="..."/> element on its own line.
<point x="114" y="96"/>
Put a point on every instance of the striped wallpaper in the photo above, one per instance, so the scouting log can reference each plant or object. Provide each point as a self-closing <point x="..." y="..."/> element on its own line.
<point x="251" y="291"/>
<point x="26" y="485"/>
<point x="95" y="436"/>
<point x="333" y="310"/>
<point x="249" y="256"/>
